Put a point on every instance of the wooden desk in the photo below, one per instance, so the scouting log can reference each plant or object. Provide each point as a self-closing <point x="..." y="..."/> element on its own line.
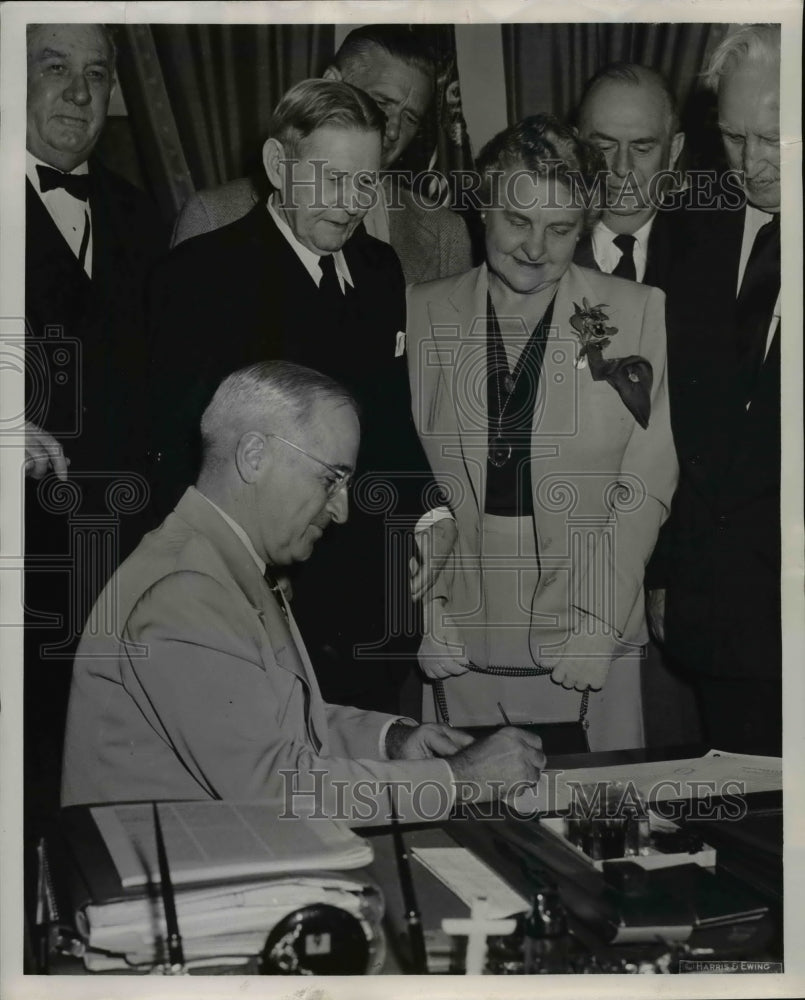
<point x="749" y="851"/>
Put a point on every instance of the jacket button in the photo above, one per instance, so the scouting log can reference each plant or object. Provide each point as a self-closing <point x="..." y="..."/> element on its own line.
<point x="695" y="459"/>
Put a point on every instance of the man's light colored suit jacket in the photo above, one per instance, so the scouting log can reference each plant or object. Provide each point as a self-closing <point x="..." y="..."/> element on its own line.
<point x="189" y="683"/>
<point x="430" y="242"/>
<point x="602" y="485"/>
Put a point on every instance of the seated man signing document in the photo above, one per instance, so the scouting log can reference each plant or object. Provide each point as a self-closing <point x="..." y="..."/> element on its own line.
<point x="192" y="681"/>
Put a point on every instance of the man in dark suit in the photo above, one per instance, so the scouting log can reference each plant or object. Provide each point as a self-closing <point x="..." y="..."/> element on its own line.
<point x="629" y="113"/>
<point x="388" y="63"/>
<point x="299" y="279"/>
<point x="90" y="240"/>
<point x="721" y="604"/>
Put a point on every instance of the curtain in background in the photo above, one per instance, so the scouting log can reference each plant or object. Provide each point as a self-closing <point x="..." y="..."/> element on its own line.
<point x="547" y="66"/>
<point x="200" y="95"/>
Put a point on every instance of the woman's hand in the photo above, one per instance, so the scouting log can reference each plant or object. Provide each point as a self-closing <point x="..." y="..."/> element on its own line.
<point x="441" y="653"/>
<point x="582" y="674"/>
<point x="582" y="662"/>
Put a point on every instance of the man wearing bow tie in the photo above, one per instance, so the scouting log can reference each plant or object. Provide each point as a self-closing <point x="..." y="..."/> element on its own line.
<point x="720" y="607"/>
<point x="90" y="240"/>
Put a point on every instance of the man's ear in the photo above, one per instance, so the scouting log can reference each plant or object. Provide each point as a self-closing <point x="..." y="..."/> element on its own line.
<point x="251" y="456"/>
<point x="273" y="155"/>
<point x="677" y="145"/>
<point x="332" y="73"/>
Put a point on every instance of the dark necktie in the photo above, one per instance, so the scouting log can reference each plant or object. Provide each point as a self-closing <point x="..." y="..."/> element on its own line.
<point x="329" y="286"/>
<point x="756" y="299"/>
<point x="75" y="184"/>
<point x="625" y="267"/>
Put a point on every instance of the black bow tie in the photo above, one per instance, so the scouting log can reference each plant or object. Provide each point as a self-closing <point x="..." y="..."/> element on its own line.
<point x="75" y="184"/>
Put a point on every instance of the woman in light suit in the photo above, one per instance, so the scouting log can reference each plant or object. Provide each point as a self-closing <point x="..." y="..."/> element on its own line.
<point x="539" y="392"/>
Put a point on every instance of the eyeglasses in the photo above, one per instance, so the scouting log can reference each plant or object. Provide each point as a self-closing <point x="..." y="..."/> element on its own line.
<point x="341" y="479"/>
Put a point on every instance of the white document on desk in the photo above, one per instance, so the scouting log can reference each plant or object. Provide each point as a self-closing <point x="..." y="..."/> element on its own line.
<point x="715" y="774"/>
<point x="470" y="879"/>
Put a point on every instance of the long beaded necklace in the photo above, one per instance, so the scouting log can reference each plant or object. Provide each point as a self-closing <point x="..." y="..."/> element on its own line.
<point x="500" y="450"/>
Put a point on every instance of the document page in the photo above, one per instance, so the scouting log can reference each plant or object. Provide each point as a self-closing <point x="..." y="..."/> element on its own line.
<point x="715" y="774"/>
<point x="208" y="841"/>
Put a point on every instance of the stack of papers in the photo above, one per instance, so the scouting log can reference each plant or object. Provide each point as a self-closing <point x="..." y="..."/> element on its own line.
<point x="236" y="870"/>
<point x="216" y="924"/>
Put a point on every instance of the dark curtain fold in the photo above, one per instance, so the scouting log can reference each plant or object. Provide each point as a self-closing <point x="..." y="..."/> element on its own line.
<point x="201" y="95"/>
<point x="547" y="66"/>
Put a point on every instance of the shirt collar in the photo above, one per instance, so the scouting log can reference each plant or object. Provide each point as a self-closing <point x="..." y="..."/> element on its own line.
<point x="604" y="234"/>
<point x="32" y="162"/>
<point x="239" y="532"/>
<point x="306" y="256"/>
<point x="756" y="218"/>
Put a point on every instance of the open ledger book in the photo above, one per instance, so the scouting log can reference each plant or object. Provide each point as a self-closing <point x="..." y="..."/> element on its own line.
<point x="237" y="870"/>
<point x="221" y="841"/>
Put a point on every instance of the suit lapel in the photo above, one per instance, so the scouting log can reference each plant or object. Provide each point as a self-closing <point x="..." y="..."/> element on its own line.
<point x="197" y="511"/>
<point x="411" y="235"/>
<point x="458" y="330"/>
<point x="584" y="256"/>
<point x="659" y="255"/>
<point x="560" y="381"/>
<point x="46" y="250"/>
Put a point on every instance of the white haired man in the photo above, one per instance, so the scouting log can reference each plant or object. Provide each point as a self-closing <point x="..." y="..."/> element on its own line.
<point x="192" y="681"/>
<point x="720" y="607"/>
<point x="389" y="63"/>
<point x="298" y="279"/>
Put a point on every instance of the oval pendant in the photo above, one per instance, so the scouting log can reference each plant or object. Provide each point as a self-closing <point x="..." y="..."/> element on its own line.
<point x="508" y="384"/>
<point x="500" y="452"/>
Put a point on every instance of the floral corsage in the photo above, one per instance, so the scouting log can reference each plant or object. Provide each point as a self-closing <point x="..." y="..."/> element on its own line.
<point x="631" y="377"/>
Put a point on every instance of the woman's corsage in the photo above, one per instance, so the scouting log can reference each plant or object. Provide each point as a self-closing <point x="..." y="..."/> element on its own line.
<point x="631" y="377"/>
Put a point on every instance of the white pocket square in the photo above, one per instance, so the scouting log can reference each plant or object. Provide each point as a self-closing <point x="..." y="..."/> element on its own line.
<point x="399" y="347"/>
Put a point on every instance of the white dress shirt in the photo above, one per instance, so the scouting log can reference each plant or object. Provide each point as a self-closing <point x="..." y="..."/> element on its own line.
<point x="70" y="214"/>
<point x="607" y="255"/>
<point x="309" y="259"/>
<point x="311" y="262"/>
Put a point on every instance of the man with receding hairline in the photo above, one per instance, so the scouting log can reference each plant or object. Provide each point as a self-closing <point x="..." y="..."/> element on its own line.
<point x="90" y="241"/>
<point x="629" y="113"/>
<point x="391" y="65"/>
<point x="192" y="680"/>
<point x="299" y="279"/>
